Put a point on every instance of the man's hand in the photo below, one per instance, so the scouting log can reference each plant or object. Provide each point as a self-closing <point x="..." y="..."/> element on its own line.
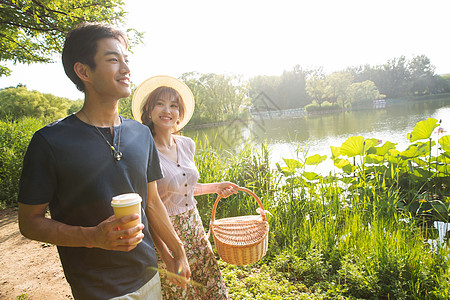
<point x="108" y="236"/>
<point x="35" y="225"/>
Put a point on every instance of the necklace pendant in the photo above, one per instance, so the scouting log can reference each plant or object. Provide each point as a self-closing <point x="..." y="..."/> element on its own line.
<point x="117" y="155"/>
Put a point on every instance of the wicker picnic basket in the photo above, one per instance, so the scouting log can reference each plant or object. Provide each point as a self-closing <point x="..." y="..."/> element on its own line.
<point x="240" y="240"/>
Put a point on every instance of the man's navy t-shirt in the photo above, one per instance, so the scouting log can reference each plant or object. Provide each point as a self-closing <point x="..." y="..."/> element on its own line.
<point x="69" y="165"/>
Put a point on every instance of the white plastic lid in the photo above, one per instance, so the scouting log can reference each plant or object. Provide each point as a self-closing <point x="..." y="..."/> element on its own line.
<point x="126" y="200"/>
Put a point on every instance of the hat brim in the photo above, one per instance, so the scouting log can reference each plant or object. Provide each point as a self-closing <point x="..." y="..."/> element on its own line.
<point x="144" y="90"/>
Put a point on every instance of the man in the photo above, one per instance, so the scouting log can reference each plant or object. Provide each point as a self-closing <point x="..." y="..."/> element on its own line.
<point x="74" y="167"/>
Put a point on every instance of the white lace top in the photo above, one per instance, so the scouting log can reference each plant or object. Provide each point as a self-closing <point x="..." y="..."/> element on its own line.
<point x="176" y="189"/>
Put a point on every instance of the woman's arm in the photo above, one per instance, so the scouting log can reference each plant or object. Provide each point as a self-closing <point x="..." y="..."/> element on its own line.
<point x="165" y="236"/>
<point x="225" y="188"/>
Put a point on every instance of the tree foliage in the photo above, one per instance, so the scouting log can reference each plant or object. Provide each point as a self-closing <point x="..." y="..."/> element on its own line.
<point x="340" y="88"/>
<point x="125" y="106"/>
<point x="31" y="31"/>
<point x="339" y="83"/>
<point x="443" y="85"/>
<point x="422" y="75"/>
<point x="217" y="97"/>
<point x="284" y="92"/>
<point x="19" y="102"/>
<point x="363" y="91"/>
<point x="317" y="89"/>
<point x="400" y="77"/>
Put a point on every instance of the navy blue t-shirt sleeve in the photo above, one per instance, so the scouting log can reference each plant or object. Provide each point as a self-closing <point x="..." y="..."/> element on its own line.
<point x="38" y="180"/>
<point x="154" y="168"/>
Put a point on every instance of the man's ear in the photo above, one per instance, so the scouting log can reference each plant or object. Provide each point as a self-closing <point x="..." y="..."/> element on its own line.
<point x="82" y="71"/>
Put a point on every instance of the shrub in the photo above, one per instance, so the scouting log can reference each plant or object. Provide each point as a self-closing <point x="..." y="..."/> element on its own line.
<point x="14" y="139"/>
<point x="313" y="107"/>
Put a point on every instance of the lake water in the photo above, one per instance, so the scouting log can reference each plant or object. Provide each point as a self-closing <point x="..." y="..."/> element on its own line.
<point x="318" y="133"/>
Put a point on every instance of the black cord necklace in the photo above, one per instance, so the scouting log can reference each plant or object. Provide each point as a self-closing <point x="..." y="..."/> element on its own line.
<point x="115" y="152"/>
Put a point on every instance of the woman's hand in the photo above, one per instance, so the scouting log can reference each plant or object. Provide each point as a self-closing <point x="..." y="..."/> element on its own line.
<point x="178" y="271"/>
<point x="226" y="189"/>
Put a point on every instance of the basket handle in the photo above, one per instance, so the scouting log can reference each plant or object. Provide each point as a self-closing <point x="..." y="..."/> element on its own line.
<point x="263" y="215"/>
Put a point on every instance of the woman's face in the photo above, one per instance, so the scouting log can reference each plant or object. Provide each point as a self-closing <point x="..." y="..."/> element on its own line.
<point x="166" y="112"/>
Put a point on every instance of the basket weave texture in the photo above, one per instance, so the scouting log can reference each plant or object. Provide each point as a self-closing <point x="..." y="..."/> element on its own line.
<point x="240" y="240"/>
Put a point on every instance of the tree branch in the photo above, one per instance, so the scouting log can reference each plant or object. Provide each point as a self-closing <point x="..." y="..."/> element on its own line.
<point x="32" y="56"/>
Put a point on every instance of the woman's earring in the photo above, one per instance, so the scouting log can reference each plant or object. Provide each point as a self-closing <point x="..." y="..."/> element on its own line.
<point x="178" y="122"/>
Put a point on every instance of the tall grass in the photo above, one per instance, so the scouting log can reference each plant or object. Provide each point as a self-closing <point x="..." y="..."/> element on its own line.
<point x="341" y="239"/>
<point x="247" y="167"/>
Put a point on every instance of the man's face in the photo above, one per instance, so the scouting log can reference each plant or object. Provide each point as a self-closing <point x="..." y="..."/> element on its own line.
<point x="111" y="76"/>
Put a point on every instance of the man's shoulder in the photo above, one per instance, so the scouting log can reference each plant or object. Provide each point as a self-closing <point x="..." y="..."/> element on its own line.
<point x="55" y="126"/>
<point x="132" y="123"/>
<point x="135" y="126"/>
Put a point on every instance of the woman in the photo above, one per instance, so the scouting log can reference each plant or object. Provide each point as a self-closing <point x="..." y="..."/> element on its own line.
<point x="165" y="105"/>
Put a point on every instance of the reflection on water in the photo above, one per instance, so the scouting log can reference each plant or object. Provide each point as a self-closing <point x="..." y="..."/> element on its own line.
<point x="443" y="232"/>
<point x="318" y="133"/>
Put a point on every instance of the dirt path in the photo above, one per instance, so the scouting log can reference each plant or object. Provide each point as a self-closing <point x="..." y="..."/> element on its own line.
<point x="28" y="267"/>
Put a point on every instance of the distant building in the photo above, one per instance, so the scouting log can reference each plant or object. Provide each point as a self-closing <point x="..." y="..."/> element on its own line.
<point x="379" y="103"/>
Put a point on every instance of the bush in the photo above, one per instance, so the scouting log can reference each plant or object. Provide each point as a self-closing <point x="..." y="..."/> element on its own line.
<point x="324" y="107"/>
<point x="313" y="107"/>
<point x="19" y="102"/>
<point x="14" y="139"/>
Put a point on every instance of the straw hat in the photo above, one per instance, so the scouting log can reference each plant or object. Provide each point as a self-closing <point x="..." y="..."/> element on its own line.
<point x="144" y="90"/>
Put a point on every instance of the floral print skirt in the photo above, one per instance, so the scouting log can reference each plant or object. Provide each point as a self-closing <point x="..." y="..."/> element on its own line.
<point x="206" y="279"/>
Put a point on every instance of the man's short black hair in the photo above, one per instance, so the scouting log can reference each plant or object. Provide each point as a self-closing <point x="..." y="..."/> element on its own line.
<point x="81" y="46"/>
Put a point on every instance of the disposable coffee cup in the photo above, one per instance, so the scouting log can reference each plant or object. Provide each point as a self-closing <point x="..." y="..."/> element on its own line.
<point x="125" y="205"/>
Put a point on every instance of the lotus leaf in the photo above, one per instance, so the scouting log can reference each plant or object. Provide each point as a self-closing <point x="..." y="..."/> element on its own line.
<point x="315" y="159"/>
<point x="422" y="130"/>
<point x="353" y="146"/>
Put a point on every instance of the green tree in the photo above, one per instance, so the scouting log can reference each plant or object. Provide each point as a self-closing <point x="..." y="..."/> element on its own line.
<point x="293" y="88"/>
<point x="75" y="106"/>
<point x="125" y="107"/>
<point x="443" y="84"/>
<point x="395" y="80"/>
<point x="422" y="75"/>
<point x="317" y="89"/>
<point x="19" y="102"/>
<point x="217" y="97"/>
<point x="392" y="78"/>
<point x="363" y="91"/>
<point x="31" y="31"/>
<point x="263" y="86"/>
<point x="285" y="92"/>
<point x="339" y="83"/>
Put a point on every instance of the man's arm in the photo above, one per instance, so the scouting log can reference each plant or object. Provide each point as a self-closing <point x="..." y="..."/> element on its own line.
<point x="35" y="225"/>
<point x="165" y="237"/>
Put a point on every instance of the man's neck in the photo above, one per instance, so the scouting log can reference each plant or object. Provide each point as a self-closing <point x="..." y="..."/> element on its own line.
<point x="100" y="114"/>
